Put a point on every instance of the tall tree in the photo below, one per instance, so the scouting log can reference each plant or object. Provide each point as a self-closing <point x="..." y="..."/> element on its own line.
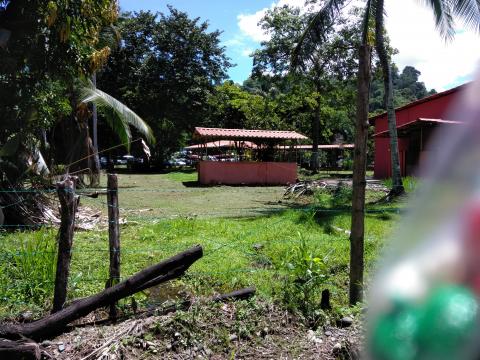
<point x="165" y="70"/>
<point x="320" y="57"/>
<point x="385" y="61"/>
<point x="330" y="10"/>
<point x="444" y="10"/>
<point x="36" y="75"/>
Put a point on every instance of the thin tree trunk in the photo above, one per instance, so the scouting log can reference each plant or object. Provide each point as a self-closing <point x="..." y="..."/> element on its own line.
<point x="315" y="134"/>
<point x="359" y="169"/>
<point x="95" y="181"/>
<point x="397" y="185"/>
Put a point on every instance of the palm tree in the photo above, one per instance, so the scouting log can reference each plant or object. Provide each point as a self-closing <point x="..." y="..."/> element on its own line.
<point x="444" y="12"/>
<point x="385" y="62"/>
<point x="306" y="56"/>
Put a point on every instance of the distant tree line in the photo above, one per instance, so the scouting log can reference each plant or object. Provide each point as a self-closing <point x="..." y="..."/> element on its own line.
<point x="406" y="86"/>
<point x="172" y="70"/>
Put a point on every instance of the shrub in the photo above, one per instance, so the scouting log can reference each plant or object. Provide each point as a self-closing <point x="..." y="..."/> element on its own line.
<point x="305" y="276"/>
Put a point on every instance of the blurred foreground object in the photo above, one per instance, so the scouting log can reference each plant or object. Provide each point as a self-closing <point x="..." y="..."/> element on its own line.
<point x="424" y="302"/>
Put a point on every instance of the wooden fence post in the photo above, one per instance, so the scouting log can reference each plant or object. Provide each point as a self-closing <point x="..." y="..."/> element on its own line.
<point x="68" y="208"/>
<point x="113" y="236"/>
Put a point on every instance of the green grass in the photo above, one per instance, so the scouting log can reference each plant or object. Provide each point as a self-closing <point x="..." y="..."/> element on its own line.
<point x="247" y="237"/>
<point x="231" y="261"/>
<point x="410" y="183"/>
<point x="186" y="175"/>
<point x="159" y="196"/>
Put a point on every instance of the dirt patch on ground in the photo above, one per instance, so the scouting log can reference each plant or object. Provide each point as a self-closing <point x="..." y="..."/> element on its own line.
<point x="240" y="330"/>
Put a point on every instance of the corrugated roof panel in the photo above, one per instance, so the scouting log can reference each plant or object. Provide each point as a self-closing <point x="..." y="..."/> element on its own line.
<point x="385" y="133"/>
<point x="223" y="143"/>
<point x="226" y="134"/>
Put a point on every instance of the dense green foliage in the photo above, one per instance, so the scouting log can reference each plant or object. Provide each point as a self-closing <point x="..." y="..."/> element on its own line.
<point x="320" y="73"/>
<point x="165" y="70"/>
<point x="406" y="87"/>
<point x="170" y="69"/>
<point x="37" y="78"/>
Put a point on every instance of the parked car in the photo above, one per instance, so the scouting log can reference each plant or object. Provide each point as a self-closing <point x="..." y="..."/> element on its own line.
<point x="103" y="162"/>
<point x="180" y="162"/>
<point x="120" y="160"/>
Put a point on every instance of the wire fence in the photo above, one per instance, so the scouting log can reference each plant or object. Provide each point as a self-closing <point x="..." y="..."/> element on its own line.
<point x="248" y="246"/>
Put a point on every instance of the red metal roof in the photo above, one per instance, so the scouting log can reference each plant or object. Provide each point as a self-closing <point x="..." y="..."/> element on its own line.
<point x="230" y="134"/>
<point x="417" y="122"/>
<point x="223" y="143"/>
<point x="420" y="101"/>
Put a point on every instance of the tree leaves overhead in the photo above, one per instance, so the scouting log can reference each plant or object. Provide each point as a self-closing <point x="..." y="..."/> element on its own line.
<point x="326" y="77"/>
<point x="445" y="11"/>
<point x="318" y="26"/>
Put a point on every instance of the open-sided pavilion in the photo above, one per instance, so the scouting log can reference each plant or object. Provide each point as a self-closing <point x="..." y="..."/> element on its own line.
<point x="260" y="169"/>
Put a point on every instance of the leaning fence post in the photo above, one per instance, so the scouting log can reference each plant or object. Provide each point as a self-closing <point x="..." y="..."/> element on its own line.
<point x="113" y="235"/>
<point x="68" y="208"/>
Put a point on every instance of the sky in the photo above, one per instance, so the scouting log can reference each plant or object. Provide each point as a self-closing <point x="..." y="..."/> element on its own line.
<point x="410" y="25"/>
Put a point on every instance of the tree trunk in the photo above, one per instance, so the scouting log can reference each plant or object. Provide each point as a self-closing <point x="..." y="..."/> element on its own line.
<point x="315" y="137"/>
<point x="397" y="185"/>
<point x="359" y="169"/>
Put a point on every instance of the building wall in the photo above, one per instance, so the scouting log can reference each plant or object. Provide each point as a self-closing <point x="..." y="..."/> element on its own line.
<point x="434" y="107"/>
<point x="246" y="173"/>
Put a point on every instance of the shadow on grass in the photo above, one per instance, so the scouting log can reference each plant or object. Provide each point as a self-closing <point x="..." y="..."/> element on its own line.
<point x="197" y="184"/>
<point x="183" y="170"/>
<point x="193" y="184"/>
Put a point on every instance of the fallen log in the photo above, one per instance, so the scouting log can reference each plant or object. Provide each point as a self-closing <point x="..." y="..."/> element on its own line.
<point x="55" y="323"/>
<point x="14" y="350"/>
<point x="241" y="294"/>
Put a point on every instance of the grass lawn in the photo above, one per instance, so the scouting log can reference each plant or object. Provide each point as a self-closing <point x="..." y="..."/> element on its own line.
<point x="152" y="197"/>
<point x="249" y="238"/>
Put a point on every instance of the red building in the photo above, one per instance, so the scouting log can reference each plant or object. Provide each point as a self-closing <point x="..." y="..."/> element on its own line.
<point x="415" y="124"/>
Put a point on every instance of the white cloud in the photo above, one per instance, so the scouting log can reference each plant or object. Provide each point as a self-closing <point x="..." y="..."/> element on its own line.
<point x="411" y="28"/>
<point x="248" y="23"/>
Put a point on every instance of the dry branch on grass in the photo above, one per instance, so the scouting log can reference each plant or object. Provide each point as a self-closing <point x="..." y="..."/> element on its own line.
<point x="308" y="187"/>
<point x="56" y="323"/>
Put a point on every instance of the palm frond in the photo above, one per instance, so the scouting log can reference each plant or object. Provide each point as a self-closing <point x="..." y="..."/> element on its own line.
<point x="118" y="126"/>
<point x="118" y="115"/>
<point x="469" y="12"/>
<point x="443" y="13"/>
<point x="319" y="22"/>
